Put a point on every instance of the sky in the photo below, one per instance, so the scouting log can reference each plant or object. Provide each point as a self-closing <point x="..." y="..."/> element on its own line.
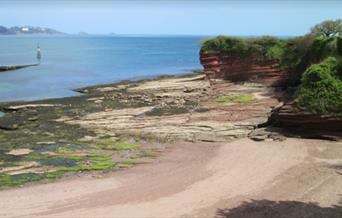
<point x="177" y="17"/>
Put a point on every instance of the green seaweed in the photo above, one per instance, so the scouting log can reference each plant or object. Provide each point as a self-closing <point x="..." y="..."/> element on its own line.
<point x="90" y="165"/>
<point x="20" y="179"/>
<point x="128" y="163"/>
<point x="60" y="161"/>
<point x="109" y="144"/>
<point x="234" y="99"/>
<point x="145" y="153"/>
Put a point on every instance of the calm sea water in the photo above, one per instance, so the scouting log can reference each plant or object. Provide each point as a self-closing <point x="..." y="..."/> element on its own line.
<point x="73" y="62"/>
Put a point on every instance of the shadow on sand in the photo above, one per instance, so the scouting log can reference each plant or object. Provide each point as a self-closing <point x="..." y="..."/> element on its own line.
<point x="280" y="209"/>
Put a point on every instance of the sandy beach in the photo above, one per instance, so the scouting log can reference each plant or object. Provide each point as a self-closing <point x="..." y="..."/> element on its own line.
<point x="200" y="180"/>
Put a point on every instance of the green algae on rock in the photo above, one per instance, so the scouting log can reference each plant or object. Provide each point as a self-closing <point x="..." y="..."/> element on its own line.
<point x="234" y="99"/>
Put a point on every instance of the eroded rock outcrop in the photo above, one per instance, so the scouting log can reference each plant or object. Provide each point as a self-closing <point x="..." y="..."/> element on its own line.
<point x="292" y="117"/>
<point x="218" y="65"/>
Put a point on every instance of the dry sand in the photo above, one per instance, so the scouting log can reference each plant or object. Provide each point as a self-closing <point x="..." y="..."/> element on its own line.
<point x="202" y="179"/>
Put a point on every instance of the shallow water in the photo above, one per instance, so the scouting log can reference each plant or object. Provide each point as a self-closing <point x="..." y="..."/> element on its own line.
<point x="70" y="62"/>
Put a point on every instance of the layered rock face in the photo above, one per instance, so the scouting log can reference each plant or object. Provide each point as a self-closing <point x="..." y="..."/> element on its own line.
<point x="290" y="116"/>
<point x="217" y="65"/>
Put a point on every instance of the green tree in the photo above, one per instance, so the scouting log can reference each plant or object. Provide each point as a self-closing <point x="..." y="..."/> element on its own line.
<point x="328" y="28"/>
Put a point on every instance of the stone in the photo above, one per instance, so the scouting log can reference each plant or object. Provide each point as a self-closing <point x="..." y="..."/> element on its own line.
<point x="98" y="101"/>
<point x="8" y="126"/>
<point x="18" y="152"/>
<point x="188" y="90"/>
<point x="258" y="137"/>
<point x="277" y="137"/>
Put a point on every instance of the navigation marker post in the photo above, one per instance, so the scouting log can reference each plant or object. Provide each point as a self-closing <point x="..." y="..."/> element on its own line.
<point x="39" y="54"/>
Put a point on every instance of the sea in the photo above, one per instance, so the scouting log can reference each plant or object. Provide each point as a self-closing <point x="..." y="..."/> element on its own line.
<point x="70" y="62"/>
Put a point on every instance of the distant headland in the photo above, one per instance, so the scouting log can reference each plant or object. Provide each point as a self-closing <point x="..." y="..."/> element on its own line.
<point x="27" y="30"/>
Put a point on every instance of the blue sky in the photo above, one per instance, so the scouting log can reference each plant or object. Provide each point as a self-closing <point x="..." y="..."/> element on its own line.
<point x="177" y="17"/>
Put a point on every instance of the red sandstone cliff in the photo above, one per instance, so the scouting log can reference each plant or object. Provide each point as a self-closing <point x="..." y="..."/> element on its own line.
<point x="217" y="65"/>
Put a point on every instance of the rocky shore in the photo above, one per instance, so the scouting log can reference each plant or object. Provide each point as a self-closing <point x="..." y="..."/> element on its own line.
<point x="16" y="67"/>
<point x="120" y="125"/>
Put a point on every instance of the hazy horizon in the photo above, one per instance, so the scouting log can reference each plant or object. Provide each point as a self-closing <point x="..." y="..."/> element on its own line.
<point x="164" y="17"/>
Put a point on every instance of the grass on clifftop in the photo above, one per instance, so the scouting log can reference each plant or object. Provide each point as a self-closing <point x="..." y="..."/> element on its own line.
<point x="262" y="48"/>
<point x="234" y="99"/>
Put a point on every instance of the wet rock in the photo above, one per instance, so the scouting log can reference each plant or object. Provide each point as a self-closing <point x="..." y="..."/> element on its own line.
<point x="277" y="137"/>
<point x="266" y="135"/>
<point x="46" y="143"/>
<point x="20" y="151"/>
<point x="258" y="135"/>
<point x="98" y="101"/>
<point x="25" y="106"/>
<point x="35" y="118"/>
<point x="188" y="90"/>
<point x="87" y="138"/>
<point x="8" y="126"/>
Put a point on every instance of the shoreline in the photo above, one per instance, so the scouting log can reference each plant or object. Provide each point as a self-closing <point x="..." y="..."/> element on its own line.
<point x="80" y="90"/>
<point x="138" y="80"/>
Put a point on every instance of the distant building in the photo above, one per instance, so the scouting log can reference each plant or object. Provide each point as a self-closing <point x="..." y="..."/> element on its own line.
<point x="25" y="29"/>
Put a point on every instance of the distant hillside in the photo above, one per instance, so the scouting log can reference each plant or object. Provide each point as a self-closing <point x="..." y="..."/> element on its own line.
<point x="21" y="30"/>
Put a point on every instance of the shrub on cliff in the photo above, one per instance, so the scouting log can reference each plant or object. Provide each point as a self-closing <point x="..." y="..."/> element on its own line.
<point x="261" y="49"/>
<point x="231" y="46"/>
<point x="266" y="48"/>
<point x="321" y="88"/>
<point x="301" y="52"/>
